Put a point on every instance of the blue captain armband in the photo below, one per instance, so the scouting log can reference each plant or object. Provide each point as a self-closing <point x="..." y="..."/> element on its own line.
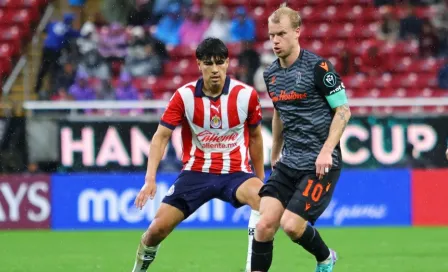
<point x="337" y="99"/>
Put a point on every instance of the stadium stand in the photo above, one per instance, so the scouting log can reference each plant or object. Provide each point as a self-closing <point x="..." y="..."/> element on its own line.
<point x="347" y="32"/>
<point x="17" y="20"/>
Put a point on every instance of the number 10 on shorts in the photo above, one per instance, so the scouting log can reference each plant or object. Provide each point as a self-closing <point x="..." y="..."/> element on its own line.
<point x="317" y="191"/>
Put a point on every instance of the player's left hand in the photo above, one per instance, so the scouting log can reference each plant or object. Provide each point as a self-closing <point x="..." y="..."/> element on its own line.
<point x="323" y="163"/>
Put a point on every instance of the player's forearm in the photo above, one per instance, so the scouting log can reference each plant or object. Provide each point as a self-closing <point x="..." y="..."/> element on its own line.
<point x="338" y="125"/>
<point x="256" y="155"/>
<point x="277" y="136"/>
<point x="156" y="151"/>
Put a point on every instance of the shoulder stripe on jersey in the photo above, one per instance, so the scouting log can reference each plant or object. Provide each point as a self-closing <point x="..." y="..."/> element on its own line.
<point x="232" y="106"/>
<point x="243" y="102"/>
<point x="187" y="94"/>
<point x="224" y="108"/>
<point x="206" y="110"/>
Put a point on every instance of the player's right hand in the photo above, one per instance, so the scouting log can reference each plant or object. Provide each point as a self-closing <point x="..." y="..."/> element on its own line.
<point x="148" y="190"/>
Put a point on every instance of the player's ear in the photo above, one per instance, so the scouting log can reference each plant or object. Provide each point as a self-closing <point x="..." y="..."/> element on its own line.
<point x="199" y="64"/>
<point x="298" y="32"/>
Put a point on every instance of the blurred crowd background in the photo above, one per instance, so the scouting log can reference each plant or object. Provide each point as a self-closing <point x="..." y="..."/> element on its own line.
<point x="142" y="49"/>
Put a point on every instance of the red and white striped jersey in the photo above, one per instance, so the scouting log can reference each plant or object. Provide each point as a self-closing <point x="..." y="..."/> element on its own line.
<point x="215" y="131"/>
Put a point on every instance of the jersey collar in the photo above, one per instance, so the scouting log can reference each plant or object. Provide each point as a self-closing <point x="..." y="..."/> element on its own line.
<point x="200" y="84"/>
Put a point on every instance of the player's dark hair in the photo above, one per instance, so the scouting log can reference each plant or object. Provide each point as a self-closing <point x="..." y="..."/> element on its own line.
<point x="212" y="47"/>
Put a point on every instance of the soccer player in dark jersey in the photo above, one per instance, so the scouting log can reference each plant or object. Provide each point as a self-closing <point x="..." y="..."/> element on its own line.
<point x="311" y="113"/>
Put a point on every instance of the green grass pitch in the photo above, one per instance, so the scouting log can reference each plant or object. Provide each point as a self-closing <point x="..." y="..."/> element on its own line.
<point x="360" y="249"/>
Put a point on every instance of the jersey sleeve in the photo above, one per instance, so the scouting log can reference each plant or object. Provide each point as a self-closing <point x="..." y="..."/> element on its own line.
<point x="329" y="83"/>
<point x="174" y="113"/>
<point x="254" y="115"/>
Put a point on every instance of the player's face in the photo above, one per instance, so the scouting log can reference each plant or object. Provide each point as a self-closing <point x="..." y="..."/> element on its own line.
<point x="283" y="37"/>
<point x="214" y="71"/>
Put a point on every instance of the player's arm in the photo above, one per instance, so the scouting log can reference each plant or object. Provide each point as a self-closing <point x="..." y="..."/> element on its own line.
<point x="277" y="138"/>
<point x="330" y="85"/>
<point x="256" y="150"/>
<point x="255" y="137"/>
<point x="156" y="150"/>
<point x="171" y="118"/>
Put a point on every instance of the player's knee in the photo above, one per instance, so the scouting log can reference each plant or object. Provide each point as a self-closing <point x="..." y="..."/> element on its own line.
<point x="155" y="234"/>
<point x="293" y="228"/>
<point x="265" y="230"/>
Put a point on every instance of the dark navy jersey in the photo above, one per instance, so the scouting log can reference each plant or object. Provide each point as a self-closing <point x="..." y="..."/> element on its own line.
<point x="305" y="95"/>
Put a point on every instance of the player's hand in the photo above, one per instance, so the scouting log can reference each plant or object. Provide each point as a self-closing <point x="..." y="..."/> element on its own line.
<point x="323" y="163"/>
<point x="446" y="153"/>
<point x="148" y="190"/>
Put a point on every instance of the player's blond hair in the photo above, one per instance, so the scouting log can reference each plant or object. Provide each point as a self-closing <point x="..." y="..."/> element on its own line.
<point x="284" y="10"/>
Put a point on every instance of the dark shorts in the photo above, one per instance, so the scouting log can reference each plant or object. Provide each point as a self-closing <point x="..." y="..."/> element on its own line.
<point x="192" y="189"/>
<point x="300" y="191"/>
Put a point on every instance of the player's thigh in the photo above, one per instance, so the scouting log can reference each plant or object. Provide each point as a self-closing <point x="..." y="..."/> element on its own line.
<point x="247" y="192"/>
<point x="313" y="196"/>
<point x="190" y="191"/>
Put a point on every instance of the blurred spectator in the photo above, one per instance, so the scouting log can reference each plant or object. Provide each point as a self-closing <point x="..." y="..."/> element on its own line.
<point x="410" y="25"/>
<point x="142" y="60"/>
<point x="58" y="34"/>
<point x="242" y="27"/>
<point x="429" y="41"/>
<point x="162" y="7"/>
<point x="168" y="28"/>
<point x="266" y="60"/>
<point x="89" y="38"/>
<point x="346" y="63"/>
<point x="80" y="90"/>
<point x="220" y="25"/>
<point x="66" y="78"/>
<point x="117" y="10"/>
<point x="373" y="63"/>
<point x="61" y="95"/>
<point x="440" y="21"/>
<point x="443" y="76"/>
<point x="248" y="63"/>
<point x="125" y="90"/>
<point x="77" y="7"/>
<point x="140" y="14"/>
<point x="94" y="65"/>
<point x="193" y="28"/>
<point x="209" y="8"/>
<point x="113" y="41"/>
<point x="379" y="3"/>
<point x="389" y="26"/>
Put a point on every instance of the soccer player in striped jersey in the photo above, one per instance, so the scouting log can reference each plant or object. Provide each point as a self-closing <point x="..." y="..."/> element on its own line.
<point x="311" y="113"/>
<point x="220" y="120"/>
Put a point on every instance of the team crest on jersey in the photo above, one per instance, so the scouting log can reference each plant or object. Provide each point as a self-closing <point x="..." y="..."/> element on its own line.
<point x="170" y="191"/>
<point x="330" y="79"/>
<point x="215" y="122"/>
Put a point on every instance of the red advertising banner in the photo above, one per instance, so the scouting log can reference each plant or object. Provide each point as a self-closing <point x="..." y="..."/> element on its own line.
<point x="25" y="202"/>
<point x="429" y="197"/>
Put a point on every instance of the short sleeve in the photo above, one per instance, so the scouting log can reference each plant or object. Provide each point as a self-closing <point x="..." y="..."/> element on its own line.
<point x="254" y="110"/>
<point x="174" y="113"/>
<point x="329" y="83"/>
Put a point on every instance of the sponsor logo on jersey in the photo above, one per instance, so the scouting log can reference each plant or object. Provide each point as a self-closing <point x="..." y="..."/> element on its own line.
<point x="210" y="137"/>
<point x="330" y="79"/>
<point x="288" y="96"/>
<point x="338" y="89"/>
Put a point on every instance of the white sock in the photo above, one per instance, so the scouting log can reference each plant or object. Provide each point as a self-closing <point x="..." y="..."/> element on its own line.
<point x="145" y="256"/>
<point x="253" y="220"/>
